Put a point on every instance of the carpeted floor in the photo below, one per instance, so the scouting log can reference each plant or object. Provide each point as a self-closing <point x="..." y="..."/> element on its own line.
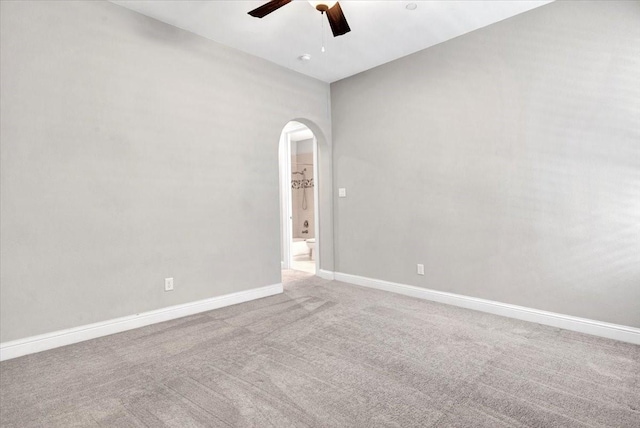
<point x="326" y="354"/>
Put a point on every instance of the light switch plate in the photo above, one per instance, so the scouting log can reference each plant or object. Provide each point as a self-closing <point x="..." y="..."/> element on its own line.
<point x="342" y="192"/>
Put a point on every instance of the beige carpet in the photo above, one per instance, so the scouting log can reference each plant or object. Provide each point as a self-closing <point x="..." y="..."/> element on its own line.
<point x="326" y="354"/>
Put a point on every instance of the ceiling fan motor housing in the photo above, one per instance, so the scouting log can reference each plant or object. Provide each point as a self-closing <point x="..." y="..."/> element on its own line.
<point x="323" y="6"/>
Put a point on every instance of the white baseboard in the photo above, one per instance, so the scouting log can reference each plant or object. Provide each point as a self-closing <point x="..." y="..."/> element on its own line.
<point x="567" y="322"/>
<point x="325" y="274"/>
<point x="43" y="342"/>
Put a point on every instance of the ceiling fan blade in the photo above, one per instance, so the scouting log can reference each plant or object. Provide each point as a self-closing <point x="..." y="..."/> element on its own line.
<point x="266" y="9"/>
<point x="338" y="22"/>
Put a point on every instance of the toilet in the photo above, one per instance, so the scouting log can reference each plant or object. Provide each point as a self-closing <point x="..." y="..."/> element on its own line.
<point x="311" y="243"/>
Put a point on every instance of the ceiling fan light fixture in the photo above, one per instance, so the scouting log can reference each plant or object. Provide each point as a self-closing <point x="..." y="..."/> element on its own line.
<point x="323" y="6"/>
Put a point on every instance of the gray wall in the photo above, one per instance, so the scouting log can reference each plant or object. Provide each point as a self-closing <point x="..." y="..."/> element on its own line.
<point x="133" y="151"/>
<point x="506" y="160"/>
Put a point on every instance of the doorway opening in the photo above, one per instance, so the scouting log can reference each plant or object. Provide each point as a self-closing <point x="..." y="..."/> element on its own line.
<point x="300" y="241"/>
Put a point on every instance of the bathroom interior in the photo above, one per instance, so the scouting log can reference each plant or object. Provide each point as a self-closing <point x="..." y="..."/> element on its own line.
<point x="303" y="203"/>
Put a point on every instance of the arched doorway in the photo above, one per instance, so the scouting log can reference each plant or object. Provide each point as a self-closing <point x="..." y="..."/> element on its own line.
<point x="299" y="199"/>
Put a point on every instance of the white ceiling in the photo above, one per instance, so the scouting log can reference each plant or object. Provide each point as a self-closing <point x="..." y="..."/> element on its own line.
<point x="381" y="31"/>
<point x="297" y="131"/>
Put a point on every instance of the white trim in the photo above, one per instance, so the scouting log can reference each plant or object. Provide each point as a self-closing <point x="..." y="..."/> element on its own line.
<point x="567" y="322"/>
<point x="43" y="342"/>
<point x="325" y="274"/>
<point x="316" y="204"/>
<point x="285" y="198"/>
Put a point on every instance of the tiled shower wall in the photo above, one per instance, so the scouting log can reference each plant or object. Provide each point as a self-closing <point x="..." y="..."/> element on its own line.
<point x="299" y="162"/>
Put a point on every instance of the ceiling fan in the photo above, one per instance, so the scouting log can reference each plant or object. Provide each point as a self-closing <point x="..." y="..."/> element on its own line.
<point x="338" y="22"/>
